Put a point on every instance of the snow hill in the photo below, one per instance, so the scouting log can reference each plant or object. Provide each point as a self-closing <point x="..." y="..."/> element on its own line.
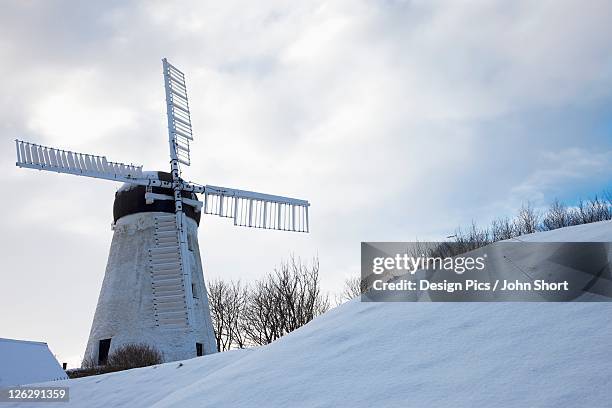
<point x="397" y="355"/>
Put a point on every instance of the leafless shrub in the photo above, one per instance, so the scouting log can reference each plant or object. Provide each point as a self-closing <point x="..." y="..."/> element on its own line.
<point x="85" y="372"/>
<point x="134" y="355"/>
<point x="125" y="357"/>
<point x="88" y="368"/>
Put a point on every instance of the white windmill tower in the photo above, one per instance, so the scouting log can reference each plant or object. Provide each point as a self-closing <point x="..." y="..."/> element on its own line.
<point x="153" y="290"/>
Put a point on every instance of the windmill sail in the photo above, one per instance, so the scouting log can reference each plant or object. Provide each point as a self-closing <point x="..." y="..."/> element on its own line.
<point x="257" y="210"/>
<point x="179" y="118"/>
<point x="34" y="156"/>
<point x="180" y="134"/>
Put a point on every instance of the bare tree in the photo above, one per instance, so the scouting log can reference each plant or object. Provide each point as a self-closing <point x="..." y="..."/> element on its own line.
<point x="299" y="292"/>
<point x="261" y="322"/>
<point x="237" y="297"/>
<point x="607" y="195"/>
<point x="594" y="210"/>
<point x="218" y="291"/>
<point x="227" y="302"/>
<point x="503" y="228"/>
<point x="557" y="216"/>
<point x="468" y="240"/>
<point x="352" y="288"/>
<point x="283" y="301"/>
<point x="528" y="219"/>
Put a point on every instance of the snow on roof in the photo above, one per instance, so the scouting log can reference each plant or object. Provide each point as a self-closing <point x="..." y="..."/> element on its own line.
<point x="397" y="355"/>
<point x="126" y="187"/>
<point x="26" y="362"/>
<point x="146" y="174"/>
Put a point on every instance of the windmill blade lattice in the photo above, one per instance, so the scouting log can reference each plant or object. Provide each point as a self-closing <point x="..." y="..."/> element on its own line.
<point x="34" y="156"/>
<point x="257" y="210"/>
<point x="179" y="118"/>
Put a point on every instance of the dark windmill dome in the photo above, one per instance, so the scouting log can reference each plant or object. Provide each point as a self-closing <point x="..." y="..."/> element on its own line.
<point x="130" y="199"/>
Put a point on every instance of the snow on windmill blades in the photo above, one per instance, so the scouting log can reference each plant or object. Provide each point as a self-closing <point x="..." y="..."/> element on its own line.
<point x="34" y="156"/>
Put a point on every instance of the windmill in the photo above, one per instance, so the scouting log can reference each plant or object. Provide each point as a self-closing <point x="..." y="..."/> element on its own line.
<point x="153" y="290"/>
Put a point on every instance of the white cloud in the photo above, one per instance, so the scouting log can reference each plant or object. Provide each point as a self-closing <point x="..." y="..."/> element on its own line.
<point x="76" y="109"/>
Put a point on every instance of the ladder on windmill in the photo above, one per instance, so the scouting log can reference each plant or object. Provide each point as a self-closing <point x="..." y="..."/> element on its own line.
<point x="167" y="280"/>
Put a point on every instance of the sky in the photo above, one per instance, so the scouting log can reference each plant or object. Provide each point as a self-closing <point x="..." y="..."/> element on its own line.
<point x="397" y="120"/>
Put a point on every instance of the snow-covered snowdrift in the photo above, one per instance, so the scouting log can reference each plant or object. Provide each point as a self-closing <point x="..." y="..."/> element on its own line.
<point x="397" y="355"/>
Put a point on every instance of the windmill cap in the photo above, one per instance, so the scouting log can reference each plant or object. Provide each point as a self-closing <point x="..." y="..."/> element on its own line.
<point x="130" y="199"/>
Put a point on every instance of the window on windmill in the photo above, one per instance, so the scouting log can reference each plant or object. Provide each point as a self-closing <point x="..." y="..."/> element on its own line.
<point x="199" y="350"/>
<point x="194" y="291"/>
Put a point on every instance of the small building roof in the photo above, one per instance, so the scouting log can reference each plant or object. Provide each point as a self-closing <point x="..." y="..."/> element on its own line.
<point x="27" y="362"/>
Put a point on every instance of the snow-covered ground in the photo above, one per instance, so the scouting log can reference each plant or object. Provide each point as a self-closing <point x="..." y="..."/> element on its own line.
<point x="397" y="355"/>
